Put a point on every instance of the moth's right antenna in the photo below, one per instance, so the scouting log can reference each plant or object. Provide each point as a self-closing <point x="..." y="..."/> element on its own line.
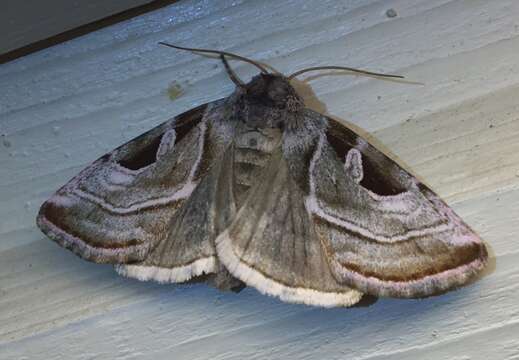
<point x="218" y="52"/>
<point x="235" y="79"/>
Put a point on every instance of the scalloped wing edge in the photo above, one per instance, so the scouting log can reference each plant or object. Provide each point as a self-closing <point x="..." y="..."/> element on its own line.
<point x="267" y="286"/>
<point x="168" y="275"/>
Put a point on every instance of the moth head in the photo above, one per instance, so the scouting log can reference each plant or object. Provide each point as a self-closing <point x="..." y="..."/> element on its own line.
<point x="274" y="91"/>
<point x="268" y="100"/>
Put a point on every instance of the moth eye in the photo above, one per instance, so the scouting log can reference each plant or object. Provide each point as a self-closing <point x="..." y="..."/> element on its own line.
<point x="278" y="95"/>
<point x="144" y="156"/>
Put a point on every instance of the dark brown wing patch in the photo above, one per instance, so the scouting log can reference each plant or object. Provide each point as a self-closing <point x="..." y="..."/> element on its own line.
<point x="379" y="170"/>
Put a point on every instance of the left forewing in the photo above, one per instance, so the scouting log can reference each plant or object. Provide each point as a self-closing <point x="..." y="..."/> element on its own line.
<point x="385" y="233"/>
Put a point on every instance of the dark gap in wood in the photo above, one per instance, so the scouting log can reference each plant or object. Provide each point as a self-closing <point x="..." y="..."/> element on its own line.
<point x="83" y="30"/>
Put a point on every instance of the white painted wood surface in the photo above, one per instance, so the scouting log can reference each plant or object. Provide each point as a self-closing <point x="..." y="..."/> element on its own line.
<point x="63" y="107"/>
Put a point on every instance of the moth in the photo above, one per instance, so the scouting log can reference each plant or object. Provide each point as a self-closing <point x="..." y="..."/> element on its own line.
<point x="257" y="190"/>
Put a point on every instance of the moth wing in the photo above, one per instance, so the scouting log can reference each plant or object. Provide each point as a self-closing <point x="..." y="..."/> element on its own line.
<point x="386" y="233"/>
<point x="123" y="206"/>
<point x="271" y="243"/>
<point x="188" y="248"/>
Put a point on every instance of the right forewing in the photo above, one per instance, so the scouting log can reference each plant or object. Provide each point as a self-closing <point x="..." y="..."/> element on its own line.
<point x="121" y="207"/>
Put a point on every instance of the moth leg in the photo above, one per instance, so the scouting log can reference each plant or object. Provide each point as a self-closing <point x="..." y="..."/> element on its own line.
<point x="223" y="280"/>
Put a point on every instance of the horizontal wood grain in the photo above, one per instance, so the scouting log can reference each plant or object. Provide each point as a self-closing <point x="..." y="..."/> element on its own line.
<point x="63" y="107"/>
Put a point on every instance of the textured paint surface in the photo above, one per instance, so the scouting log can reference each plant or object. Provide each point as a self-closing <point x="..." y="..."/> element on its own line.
<point x="63" y="107"/>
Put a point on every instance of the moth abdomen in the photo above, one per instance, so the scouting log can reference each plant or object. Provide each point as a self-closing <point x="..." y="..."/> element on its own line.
<point x="252" y="152"/>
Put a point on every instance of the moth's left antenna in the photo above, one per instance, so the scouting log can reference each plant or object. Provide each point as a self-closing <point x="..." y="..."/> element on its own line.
<point x="365" y="72"/>
<point x="218" y="52"/>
